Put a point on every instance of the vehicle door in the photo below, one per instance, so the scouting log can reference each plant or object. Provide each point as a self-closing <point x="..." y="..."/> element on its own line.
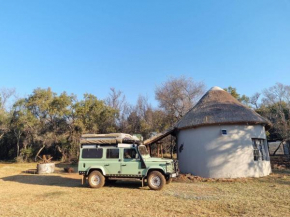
<point x="130" y="164"/>
<point x="112" y="161"/>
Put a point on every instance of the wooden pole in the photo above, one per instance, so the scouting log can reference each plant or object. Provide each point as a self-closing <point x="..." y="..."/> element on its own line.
<point x="171" y="148"/>
<point x="157" y="150"/>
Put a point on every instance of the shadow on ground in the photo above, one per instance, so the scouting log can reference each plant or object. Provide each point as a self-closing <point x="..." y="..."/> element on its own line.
<point x="44" y="180"/>
<point x="127" y="184"/>
<point x="61" y="181"/>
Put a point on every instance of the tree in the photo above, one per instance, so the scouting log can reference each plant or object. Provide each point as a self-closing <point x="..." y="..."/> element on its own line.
<point x="23" y="126"/>
<point x="46" y="121"/>
<point x="117" y="101"/>
<point x="254" y="100"/>
<point x="276" y="107"/>
<point x="177" y="95"/>
<point x="5" y="95"/>
<point x="233" y="91"/>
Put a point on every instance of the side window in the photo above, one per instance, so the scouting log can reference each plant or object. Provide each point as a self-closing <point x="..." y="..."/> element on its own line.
<point x="260" y="149"/>
<point x="130" y="153"/>
<point x="113" y="153"/>
<point x="92" y="153"/>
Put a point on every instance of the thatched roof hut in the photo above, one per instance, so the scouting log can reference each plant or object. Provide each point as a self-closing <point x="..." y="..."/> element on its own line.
<point x="221" y="138"/>
<point x="219" y="107"/>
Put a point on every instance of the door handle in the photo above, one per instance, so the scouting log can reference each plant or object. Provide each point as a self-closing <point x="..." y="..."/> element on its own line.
<point x="107" y="165"/>
<point x="123" y="164"/>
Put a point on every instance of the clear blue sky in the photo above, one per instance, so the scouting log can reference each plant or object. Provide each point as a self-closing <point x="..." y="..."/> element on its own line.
<point x="90" y="46"/>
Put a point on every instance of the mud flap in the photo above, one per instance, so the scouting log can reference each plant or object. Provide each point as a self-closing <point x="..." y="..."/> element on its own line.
<point x="83" y="179"/>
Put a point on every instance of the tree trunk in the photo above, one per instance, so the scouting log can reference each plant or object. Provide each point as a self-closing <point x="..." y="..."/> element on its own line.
<point x="17" y="153"/>
<point x="18" y="136"/>
<point x="278" y="148"/>
<point x="149" y="149"/>
<point x="171" y="148"/>
<point x="158" y="150"/>
<point x="1" y="135"/>
<point x="18" y="145"/>
<point x="64" y="157"/>
<point x="39" y="152"/>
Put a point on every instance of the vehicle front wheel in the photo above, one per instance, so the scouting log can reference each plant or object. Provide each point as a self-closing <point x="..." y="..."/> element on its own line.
<point x="156" y="180"/>
<point x="96" y="179"/>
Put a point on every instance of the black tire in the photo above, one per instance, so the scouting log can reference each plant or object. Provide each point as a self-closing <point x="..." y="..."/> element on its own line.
<point x="96" y="179"/>
<point x="168" y="180"/>
<point x="156" y="180"/>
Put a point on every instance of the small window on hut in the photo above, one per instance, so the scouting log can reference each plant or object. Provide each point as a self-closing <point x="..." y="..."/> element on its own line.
<point x="224" y="132"/>
<point x="259" y="150"/>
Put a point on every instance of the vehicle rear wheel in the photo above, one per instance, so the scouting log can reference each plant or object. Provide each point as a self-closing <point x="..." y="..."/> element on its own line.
<point x="168" y="180"/>
<point x="156" y="180"/>
<point x="96" y="179"/>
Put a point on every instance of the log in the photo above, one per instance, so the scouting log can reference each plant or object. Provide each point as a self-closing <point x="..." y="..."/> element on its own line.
<point x="45" y="168"/>
<point x="39" y="152"/>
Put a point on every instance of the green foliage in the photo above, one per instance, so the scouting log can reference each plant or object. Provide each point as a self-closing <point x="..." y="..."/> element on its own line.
<point x="45" y="119"/>
<point x="233" y="91"/>
<point x="27" y="153"/>
<point x="276" y="107"/>
<point x="51" y="123"/>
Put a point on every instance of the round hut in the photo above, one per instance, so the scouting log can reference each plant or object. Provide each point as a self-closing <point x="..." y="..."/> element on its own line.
<point x="222" y="138"/>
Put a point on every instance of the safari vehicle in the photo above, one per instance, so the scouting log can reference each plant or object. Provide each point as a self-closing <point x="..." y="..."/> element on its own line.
<point x="105" y="157"/>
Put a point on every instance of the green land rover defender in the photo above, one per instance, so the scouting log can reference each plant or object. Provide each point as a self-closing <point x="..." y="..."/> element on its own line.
<point x="107" y="157"/>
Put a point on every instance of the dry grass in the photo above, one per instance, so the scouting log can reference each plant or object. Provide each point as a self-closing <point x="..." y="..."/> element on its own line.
<point x="61" y="194"/>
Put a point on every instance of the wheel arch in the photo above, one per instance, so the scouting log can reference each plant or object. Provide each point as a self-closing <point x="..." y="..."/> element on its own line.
<point x="100" y="169"/>
<point x="156" y="169"/>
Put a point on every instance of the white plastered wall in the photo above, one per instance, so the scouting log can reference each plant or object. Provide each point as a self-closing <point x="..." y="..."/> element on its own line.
<point x="207" y="153"/>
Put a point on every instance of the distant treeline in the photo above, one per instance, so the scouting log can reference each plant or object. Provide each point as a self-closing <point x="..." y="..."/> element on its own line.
<point x="49" y="123"/>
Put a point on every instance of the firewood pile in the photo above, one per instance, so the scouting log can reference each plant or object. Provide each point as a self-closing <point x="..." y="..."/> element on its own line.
<point x="45" y="159"/>
<point x="45" y="166"/>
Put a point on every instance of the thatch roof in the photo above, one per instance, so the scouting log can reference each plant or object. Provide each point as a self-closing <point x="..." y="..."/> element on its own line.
<point x="219" y="107"/>
<point x="158" y="137"/>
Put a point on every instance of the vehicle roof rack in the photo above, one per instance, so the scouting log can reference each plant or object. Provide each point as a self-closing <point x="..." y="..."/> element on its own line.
<point x="107" y="139"/>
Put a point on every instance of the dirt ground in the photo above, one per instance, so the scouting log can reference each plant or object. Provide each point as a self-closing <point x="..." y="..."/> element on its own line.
<point x="61" y="194"/>
<point x="280" y="162"/>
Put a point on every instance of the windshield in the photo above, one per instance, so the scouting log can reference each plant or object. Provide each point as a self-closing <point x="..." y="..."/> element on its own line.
<point x="143" y="151"/>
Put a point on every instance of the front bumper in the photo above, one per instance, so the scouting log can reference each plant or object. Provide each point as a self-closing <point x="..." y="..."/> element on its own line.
<point x="173" y="175"/>
<point x="174" y="170"/>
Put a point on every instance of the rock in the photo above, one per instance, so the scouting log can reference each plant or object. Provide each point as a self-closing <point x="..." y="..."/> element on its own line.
<point x="69" y="169"/>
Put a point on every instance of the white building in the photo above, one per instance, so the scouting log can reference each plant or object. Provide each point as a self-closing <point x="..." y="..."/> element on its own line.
<point x="221" y="138"/>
